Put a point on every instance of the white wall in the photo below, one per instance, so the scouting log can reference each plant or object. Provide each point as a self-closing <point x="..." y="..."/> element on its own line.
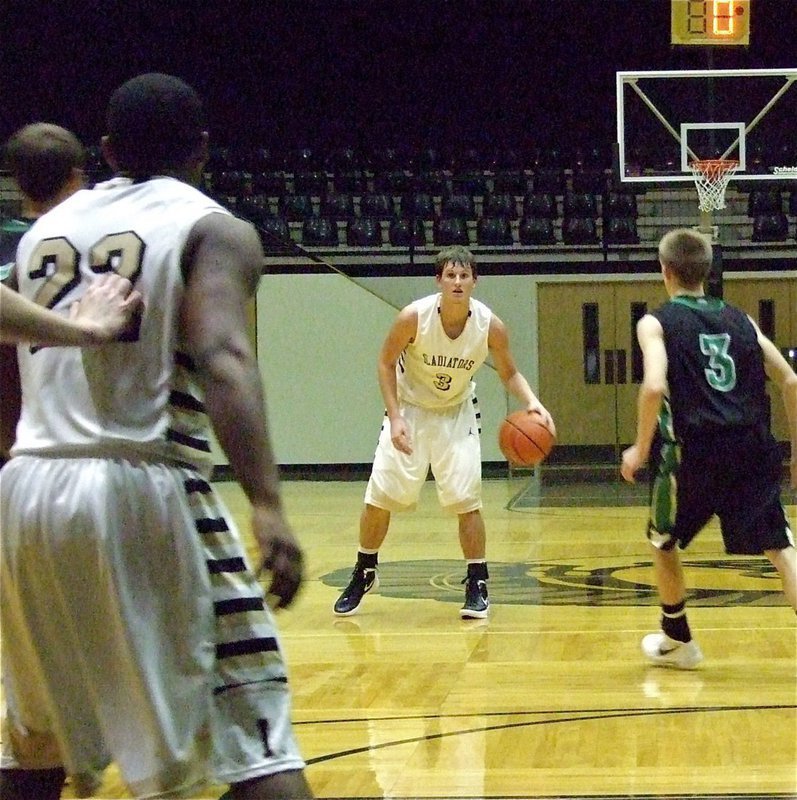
<point x="318" y="340"/>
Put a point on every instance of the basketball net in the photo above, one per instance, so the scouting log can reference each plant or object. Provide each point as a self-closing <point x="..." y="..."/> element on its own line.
<point x="711" y="179"/>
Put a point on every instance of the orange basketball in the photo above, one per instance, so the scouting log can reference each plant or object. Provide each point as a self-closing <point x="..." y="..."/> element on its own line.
<point x="525" y="439"/>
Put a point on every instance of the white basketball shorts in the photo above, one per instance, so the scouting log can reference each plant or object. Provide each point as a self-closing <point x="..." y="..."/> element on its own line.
<point x="134" y="630"/>
<point x="449" y="442"/>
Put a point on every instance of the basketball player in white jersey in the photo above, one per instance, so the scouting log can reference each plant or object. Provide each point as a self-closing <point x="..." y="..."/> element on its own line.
<point x="133" y="627"/>
<point x="426" y="368"/>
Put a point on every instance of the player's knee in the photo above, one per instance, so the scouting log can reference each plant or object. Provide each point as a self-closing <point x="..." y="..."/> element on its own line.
<point x="290" y="785"/>
<point x="25" y="784"/>
<point x="782" y="559"/>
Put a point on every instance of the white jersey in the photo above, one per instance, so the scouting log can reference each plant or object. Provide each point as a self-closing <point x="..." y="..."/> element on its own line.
<point x="134" y="399"/>
<point x="435" y="371"/>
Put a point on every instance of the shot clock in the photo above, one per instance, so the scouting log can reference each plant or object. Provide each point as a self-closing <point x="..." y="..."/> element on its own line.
<point x="710" y="22"/>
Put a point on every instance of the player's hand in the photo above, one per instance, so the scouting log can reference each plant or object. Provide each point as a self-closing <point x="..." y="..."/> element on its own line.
<point x="545" y="414"/>
<point x="108" y="306"/>
<point x="283" y="562"/>
<point x="633" y="461"/>
<point x="400" y="436"/>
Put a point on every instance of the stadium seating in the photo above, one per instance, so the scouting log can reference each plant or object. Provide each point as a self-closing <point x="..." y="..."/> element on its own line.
<point x="364" y="232"/>
<point x="536" y="231"/>
<point x="403" y="232"/>
<point x="770" y="227"/>
<point x="320" y="232"/>
<point x="450" y="230"/>
<point x="494" y="231"/>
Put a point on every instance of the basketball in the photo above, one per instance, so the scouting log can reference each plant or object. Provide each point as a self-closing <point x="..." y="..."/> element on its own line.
<point x="525" y="439"/>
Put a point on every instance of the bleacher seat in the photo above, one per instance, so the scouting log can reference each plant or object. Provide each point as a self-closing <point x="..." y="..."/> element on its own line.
<point x="304" y="160"/>
<point x="296" y="207"/>
<point x="499" y="205"/>
<point x="579" y="204"/>
<point x="264" y="159"/>
<point x="420" y="206"/>
<point x="764" y="201"/>
<point x="320" y="232"/>
<point x="579" y="230"/>
<point x="434" y="182"/>
<point x="620" y="204"/>
<point x="506" y="159"/>
<point x="494" y="231"/>
<point x="458" y="205"/>
<point x="364" y="232"/>
<point x="268" y="183"/>
<point x="344" y="160"/>
<point x="396" y="182"/>
<point x="350" y="182"/>
<point x="378" y="205"/>
<point x="337" y="206"/>
<point x="260" y="184"/>
<point x="312" y="183"/>
<point x="386" y="159"/>
<point x="621" y="230"/>
<point x="231" y="183"/>
<point x="548" y="179"/>
<point x="404" y="232"/>
<point x="450" y="230"/>
<point x="540" y="204"/>
<point x="514" y="182"/>
<point x="276" y="227"/>
<point x="770" y="227"/>
<point x="589" y="181"/>
<point x="256" y="208"/>
<point x="536" y="231"/>
<point x="474" y="184"/>
<point x="468" y="159"/>
<point x="429" y="159"/>
<point x="579" y="213"/>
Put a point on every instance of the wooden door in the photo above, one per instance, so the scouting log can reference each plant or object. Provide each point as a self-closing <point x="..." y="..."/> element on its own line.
<point x="576" y="325"/>
<point x="772" y="303"/>
<point x="590" y="366"/>
<point x="632" y="302"/>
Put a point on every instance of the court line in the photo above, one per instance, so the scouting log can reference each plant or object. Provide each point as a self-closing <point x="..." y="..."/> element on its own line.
<point x="575" y="716"/>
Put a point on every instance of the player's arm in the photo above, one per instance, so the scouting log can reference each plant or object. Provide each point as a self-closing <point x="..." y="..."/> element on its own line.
<point x="401" y="333"/>
<point x="513" y="380"/>
<point x="651" y="393"/>
<point x="104" y="311"/>
<point x="780" y="372"/>
<point x="223" y="260"/>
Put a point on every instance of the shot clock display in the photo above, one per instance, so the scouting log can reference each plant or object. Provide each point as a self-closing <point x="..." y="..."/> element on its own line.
<point x="712" y="22"/>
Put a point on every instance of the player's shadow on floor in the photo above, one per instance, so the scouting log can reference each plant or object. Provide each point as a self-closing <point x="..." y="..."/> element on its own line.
<point x="577" y="486"/>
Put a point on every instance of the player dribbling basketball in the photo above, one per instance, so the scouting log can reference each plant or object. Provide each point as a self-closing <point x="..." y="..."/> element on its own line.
<point x="426" y="368"/>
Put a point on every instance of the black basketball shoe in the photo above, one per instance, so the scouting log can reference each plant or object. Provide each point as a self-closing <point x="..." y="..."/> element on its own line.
<point x="363" y="579"/>
<point x="477" y="605"/>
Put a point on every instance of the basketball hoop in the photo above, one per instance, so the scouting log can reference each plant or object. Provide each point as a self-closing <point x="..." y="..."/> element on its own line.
<point x="711" y="179"/>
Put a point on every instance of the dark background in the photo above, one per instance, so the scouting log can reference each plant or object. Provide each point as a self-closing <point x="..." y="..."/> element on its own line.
<point x="363" y="73"/>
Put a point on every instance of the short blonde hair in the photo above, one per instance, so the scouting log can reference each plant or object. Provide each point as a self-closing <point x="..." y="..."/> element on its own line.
<point x="455" y="254"/>
<point x="688" y="254"/>
<point x="42" y="158"/>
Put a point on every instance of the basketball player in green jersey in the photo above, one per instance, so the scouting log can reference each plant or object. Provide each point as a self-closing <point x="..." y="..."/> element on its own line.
<point x="703" y="401"/>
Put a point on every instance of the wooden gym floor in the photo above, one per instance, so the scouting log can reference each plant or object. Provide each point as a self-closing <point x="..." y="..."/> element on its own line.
<point x="550" y="698"/>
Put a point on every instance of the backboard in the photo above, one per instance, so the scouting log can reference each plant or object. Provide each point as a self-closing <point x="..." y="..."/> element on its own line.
<point x="666" y="119"/>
